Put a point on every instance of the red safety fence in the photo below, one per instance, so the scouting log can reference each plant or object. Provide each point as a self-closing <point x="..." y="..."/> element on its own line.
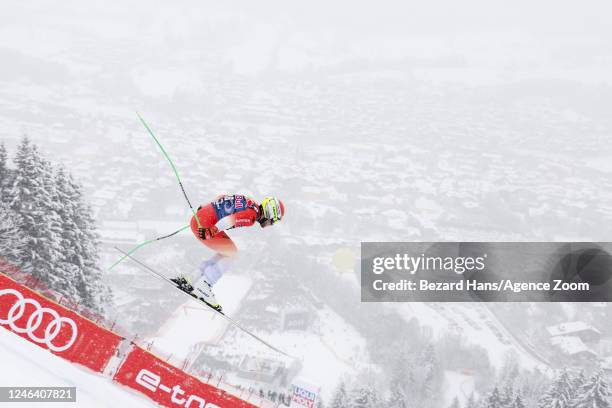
<point x="169" y="386"/>
<point x="69" y="335"/>
<point x="54" y="327"/>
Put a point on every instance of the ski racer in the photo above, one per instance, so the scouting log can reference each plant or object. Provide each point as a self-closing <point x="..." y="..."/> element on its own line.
<point x="225" y="213"/>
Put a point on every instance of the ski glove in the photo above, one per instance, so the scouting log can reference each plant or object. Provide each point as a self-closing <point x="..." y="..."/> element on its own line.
<point x="207" y="233"/>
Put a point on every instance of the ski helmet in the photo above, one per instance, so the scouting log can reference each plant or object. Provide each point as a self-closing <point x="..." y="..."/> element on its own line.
<point x="272" y="209"/>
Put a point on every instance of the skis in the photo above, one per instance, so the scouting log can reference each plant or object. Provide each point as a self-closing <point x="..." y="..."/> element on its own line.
<point x="229" y="319"/>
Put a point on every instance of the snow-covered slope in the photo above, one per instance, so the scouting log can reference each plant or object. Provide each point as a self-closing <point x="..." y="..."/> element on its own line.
<point x="24" y="364"/>
<point x="193" y="323"/>
<point x="477" y="325"/>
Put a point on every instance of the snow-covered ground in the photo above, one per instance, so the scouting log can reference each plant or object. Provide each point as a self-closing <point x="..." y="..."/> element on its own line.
<point x="26" y="365"/>
<point x="194" y="323"/>
<point x="457" y="385"/>
<point x="338" y="347"/>
<point x="476" y="324"/>
<point x="334" y="349"/>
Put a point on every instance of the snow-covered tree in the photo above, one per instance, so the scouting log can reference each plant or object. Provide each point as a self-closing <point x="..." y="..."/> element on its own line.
<point x="340" y="398"/>
<point x="70" y="237"/>
<point x="397" y="398"/>
<point x="494" y="400"/>
<point x="95" y="293"/>
<point x="430" y="373"/>
<point x="61" y="245"/>
<point x="595" y="393"/>
<point x="4" y="174"/>
<point x="508" y="395"/>
<point x="510" y="370"/>
<point x="518" y="402"/>
<point x="577" y="380"/>
<point x="32" y="201"/>
<point x="559" y="395"/>
<point x="12" y="240"/>
<point x="531" y="386"/>
<point x="60" y="278"/>
<point x="399" y="382"/>
<point x="471" y="401"/>
<point x="364" y="397"/>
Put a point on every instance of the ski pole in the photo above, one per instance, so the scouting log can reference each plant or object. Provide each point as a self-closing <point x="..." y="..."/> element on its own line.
<point x="137" y="247"/>
<point x="180" y="183"/>
<point x="171" y="165"/>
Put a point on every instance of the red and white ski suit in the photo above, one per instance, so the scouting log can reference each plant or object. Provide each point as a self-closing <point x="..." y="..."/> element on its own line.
<point x="226" y="212"/>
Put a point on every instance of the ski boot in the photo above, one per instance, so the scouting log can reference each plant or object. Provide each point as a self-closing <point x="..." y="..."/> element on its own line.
<point x="203" y="291"/>
<point x="183" y="283"/>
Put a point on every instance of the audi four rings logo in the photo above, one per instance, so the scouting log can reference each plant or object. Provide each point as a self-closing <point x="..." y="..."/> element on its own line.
<point x="52" y="329"/>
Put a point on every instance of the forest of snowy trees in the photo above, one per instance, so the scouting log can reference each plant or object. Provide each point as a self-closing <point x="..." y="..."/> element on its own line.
<point x="568" y="390"/>
<point x="46" y="227"/>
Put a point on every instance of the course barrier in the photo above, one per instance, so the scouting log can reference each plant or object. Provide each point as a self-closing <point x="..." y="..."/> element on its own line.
<point x="169" y="386"/>
<point x="54" y="327"/>
<point x="73" y="337"/>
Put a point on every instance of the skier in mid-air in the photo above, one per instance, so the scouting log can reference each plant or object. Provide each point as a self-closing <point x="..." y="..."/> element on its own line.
<point x="226" y="212"/>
